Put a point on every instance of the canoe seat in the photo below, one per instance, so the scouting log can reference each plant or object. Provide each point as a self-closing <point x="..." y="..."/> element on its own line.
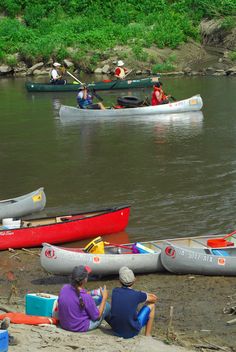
<point x="220" y="252"/>
<point x="62" y="218"/>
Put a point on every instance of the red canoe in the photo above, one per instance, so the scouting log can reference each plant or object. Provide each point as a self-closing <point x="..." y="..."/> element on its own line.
<point x="65" y="228"/>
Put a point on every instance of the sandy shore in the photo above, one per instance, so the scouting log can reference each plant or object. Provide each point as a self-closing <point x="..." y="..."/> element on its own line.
<point x="50" y="339"/>
<point x="198" y="318"/>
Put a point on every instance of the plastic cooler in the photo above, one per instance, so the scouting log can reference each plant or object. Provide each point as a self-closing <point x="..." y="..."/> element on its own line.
<point x="40" y="304"/>
<point x="3" y="340"/>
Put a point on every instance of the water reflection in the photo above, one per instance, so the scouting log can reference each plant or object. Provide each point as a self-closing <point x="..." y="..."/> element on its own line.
<point x="189" y="123"/>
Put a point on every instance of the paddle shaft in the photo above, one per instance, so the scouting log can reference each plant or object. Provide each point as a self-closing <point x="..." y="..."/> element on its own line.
<point x="70" y="74"/>
<point x="119" y="79"/>
<point x="93" y="92"/>
<point x="117" y="245"/>
<point x="230" y="234"/>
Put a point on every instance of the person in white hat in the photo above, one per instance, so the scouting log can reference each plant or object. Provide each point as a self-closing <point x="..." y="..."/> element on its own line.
<point x="120" y="70"/>
<point x="55" y="75"/>
<point x="125" y="319"/>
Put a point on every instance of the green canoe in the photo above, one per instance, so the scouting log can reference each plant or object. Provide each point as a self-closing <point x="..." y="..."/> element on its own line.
<point x="102" y="85"/>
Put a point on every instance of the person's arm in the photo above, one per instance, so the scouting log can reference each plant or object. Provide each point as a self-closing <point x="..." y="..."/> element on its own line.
<point x="158" y="95"/>
<point x="151" y="298"/>
<point x="104" y="293"/>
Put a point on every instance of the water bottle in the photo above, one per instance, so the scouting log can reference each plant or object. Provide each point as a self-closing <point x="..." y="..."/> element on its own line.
<point x="96" y="292"/>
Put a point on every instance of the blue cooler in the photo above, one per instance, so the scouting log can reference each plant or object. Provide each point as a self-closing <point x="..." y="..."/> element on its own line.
<point x="3" y="340"/>
<point x="40" y="304"/>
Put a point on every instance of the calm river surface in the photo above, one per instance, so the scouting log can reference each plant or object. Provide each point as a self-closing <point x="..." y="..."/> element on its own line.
<point x="177" y="172"/>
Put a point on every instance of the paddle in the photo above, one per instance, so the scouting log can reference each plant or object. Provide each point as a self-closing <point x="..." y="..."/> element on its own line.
<point x="230" y="234"/>
<point x="83" y="84"/>
<point x="114" y="84"/>
<point x="220" y="242"/>
<point x="173" y="98"/>
<point x="75" y="78"/>
<point x="117" y="245"/>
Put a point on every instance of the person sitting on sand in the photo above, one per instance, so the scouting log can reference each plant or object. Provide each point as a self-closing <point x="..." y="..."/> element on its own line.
<point x="124" y="318"/>
<point x="55" y="75"/>
<point x="77" y="309"/>
<point x="120" y="71"/>
<point x="85" y="100"/>
<point x="12" y="341"/>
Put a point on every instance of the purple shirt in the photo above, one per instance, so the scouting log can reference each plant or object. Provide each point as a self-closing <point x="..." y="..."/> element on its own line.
<point x="71" y="316"/>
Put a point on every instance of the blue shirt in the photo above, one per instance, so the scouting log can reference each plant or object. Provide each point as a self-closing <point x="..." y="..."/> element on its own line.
<point x="124" y="304"/>
<point x="71" y="316"/>
<point x="83" y="103"/>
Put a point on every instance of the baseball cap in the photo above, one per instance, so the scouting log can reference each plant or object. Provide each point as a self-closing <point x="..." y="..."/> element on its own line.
<point x="56" y="64"/>
<point x="126" y="276"/>
<point x="80" y="272"/>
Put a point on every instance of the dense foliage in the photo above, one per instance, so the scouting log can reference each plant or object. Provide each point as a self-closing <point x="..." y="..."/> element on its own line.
<point x="40" y="29"/>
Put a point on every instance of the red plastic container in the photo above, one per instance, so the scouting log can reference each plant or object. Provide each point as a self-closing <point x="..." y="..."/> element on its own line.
<point x="219" y="242"/>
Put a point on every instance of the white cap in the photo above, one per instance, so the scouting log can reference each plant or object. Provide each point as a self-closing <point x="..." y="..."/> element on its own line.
<point x="56" y="64"/>
<point x="120" y="63"/>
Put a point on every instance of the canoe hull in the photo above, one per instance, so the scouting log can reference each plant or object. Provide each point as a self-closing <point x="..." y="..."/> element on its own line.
<point x="103" y="85"/>
<point x="61" y="261"/>
<point x="82" y="226"/>
<point x="23" y="205"/>
<point x="188" y="105"/>
<point x="200" y="261"/>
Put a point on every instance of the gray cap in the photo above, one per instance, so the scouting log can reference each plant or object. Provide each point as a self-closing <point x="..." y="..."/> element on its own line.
<point x="79" y="273"/>
<point x="126" y="276"/>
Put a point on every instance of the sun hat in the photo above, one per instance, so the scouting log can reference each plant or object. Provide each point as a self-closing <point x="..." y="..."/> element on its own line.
<point x="120" y="63"/>
<point x="56" y="64"/>
<point x="80" y="272"/>
<point x="126" y="276"/>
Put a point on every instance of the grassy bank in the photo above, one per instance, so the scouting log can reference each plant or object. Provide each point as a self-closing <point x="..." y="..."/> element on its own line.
<point x="33" y="30"/>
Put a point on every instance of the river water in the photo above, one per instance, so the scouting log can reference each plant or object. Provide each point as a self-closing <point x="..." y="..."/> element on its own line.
<point x="177" y="172"/>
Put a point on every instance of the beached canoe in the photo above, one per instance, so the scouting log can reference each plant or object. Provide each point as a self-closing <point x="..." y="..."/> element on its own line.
<point x="147" y="259"/>
<point x="65" y="228"/>
<point x="102" y="85"/>
<point x="188" y="105"/>
<point x="23" y="205"/>
<point x="195" y="257"/>
<point x="61" y="260"/>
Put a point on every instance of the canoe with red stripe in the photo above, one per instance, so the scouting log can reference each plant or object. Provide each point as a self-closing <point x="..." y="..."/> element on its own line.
<point x="65" y="228"/>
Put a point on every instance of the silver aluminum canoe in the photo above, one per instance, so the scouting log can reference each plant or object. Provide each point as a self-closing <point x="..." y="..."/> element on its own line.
<point x="201" y="260"/>
<point x="23" y="205"/>
<point x="58" y="260"/>
<point x="188" y="105"/>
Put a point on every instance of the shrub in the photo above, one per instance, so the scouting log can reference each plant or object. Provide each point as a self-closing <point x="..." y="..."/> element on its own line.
<point x="11" y="60"/>
<point x="232" y="55"/>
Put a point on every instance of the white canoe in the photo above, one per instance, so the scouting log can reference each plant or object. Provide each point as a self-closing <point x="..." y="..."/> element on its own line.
<point x="192" y="104"/>
<point x="200" y="259"/>
<point x="23" y="205"/>
<point x="61" y="260"/>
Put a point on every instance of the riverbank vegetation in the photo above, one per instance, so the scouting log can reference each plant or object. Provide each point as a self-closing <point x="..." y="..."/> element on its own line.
<point x="33" y="30"/>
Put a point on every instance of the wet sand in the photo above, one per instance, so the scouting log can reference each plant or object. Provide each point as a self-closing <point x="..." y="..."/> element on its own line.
<point x="198" y="301"/>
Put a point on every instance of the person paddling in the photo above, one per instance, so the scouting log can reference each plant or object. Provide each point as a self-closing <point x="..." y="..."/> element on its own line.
<point x="85" y="100"/>
<point x="55" y="76"/>
<point x="158" y="95"/>
<point x="120" y="70"/>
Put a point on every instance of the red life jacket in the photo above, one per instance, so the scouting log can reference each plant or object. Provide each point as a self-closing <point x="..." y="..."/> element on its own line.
<point x="154" y="98"/>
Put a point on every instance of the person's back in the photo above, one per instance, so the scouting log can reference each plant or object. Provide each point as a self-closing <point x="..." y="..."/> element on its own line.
<point x="72" y="316"/>
<point x="124" y="320"/>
